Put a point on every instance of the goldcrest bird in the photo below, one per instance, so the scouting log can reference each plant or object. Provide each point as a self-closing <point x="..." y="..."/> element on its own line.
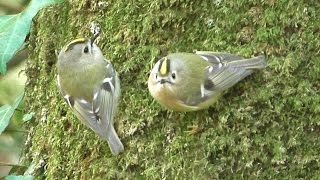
<point x="194" y="81"/>
<point x="91" y="87"/>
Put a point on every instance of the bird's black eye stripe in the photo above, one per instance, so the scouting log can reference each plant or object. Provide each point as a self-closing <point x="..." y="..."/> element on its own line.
<point x="86" y="49"/>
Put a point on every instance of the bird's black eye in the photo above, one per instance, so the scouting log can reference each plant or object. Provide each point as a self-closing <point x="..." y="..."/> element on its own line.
<point x="86" y="49"/>
<point x="173" y="75"/>
<point x="156" y="75"/>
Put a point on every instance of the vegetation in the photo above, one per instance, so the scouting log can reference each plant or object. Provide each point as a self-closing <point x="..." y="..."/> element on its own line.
<point x="267" y="126"/>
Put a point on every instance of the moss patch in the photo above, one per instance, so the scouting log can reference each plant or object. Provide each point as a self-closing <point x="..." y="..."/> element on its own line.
<point x="267" y="126"/>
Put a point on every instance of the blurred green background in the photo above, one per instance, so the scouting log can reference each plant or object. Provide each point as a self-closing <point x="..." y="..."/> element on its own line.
<point x="11" y="85"/>
<point x="12" y="6"/>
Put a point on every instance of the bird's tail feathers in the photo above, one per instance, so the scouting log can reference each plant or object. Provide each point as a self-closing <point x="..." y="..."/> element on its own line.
<point x="258" y="62"/>
<point x="114" y="141"/>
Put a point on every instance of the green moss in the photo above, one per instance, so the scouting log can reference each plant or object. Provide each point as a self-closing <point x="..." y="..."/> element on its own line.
<point x="267" y="126"/>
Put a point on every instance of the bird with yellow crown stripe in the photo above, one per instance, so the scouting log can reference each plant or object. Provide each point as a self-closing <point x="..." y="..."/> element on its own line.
<point x="91" y="87"/>
<point x="194" y="81"/>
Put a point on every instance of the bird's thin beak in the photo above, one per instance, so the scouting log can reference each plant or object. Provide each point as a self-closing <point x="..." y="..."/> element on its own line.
<point x="92" y="39"/>
<point x="162" y="81"/>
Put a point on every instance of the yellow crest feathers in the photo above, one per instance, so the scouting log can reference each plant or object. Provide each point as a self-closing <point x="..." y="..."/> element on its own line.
<point x="164" y="66"/>
<point x="74" y="42"/>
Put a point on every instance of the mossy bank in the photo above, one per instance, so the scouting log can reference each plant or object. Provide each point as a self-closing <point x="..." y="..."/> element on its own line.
<point x="266" y="126"/>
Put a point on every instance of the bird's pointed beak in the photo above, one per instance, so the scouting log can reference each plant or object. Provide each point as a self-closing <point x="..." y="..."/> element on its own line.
<point x="93" y="39"/>
<point x="164" y="81"/>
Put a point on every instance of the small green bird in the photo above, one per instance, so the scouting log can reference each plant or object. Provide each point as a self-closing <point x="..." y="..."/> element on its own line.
<point x="91" y="87"/>
<point x="194" y="81"/>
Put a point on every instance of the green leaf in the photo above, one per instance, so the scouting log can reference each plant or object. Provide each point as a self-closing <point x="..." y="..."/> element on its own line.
<point x="7" y="111"/>
<point x="25" y="177"/>
<point x="28" y="116"/>
<point x="5" y="115"/>
<point x="16" y="168"/>
<point x="30" y="169"/>
<point x="14" y="29"/>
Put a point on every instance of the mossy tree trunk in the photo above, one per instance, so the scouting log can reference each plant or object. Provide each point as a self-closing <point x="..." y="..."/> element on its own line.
<point x="267" y="126"/>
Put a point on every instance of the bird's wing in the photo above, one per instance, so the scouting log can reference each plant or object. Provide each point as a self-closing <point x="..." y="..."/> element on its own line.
<point x="105" y="102"/>
<point x="105" y="99"/>
<point x="98" y="115"/>
<point x="218" y="76"/>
